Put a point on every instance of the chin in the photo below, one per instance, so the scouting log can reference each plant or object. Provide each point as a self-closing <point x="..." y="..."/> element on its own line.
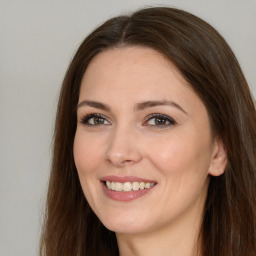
<point x="126" y="224"/>
<point x="126" y="228"/>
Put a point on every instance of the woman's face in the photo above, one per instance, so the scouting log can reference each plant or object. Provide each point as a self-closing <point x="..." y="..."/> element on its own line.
<point x="143" y="146"/>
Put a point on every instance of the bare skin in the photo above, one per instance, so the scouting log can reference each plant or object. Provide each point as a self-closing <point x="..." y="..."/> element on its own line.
<point x="138" y="117"/>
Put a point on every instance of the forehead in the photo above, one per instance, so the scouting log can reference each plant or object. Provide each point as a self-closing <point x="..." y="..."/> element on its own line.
<point x="131" y="67"/>
<point x="144" y="55"/>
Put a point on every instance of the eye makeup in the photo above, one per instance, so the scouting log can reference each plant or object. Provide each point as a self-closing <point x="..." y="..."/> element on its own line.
<point x="94" y="119"/>
<point x="158" y="120"/>
<point x="154" y="120"/>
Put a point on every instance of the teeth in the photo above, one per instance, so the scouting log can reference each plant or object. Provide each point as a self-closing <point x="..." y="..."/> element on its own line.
<point x="135" y="185"/>
<point x="108" y="183"/>
<point x="142" y="185"/>
<point x="113" y="185"/>
<point x="119" y="186"/>
<point x="147" y="185"/>
<point x="128" y="186"/>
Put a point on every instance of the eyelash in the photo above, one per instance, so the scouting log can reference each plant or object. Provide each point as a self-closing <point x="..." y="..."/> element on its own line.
<point x="85" y="119"/>
<point x="169" y="120"/>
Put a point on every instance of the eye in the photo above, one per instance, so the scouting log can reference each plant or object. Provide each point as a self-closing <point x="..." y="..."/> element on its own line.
<point x="159" y="120"/>
<point x="94" y="120"/>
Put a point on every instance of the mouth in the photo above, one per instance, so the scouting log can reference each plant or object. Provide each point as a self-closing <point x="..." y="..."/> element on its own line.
<point x="126" y="188"/>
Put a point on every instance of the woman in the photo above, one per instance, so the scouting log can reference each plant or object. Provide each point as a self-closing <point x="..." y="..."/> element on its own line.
<point x="154" y="148"/>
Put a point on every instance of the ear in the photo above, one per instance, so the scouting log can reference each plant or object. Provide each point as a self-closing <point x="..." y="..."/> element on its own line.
<point x="219" y="158"/>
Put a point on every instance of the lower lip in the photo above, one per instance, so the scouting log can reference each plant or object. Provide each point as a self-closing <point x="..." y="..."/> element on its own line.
<point x="125" y="196"/>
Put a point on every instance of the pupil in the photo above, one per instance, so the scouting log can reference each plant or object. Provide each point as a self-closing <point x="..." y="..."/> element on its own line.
<point x="99" y="120"/>
<point x="160" y="121"/>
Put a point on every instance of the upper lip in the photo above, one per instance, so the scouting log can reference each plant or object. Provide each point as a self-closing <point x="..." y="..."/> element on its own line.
<point x="123" y="179"/>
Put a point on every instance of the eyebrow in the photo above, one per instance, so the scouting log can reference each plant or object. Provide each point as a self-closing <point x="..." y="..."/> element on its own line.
<point x="138" y="107"/>
<point x="94" y="104"/>
<point x="150" y="104"/>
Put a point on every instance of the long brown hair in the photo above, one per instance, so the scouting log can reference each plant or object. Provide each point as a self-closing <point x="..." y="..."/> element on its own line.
<point x="210" y="67"/>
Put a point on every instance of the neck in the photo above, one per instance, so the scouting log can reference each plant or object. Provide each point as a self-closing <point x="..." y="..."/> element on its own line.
<point x="151" y="245"/>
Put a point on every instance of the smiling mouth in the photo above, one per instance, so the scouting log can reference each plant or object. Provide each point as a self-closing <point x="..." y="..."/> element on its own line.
<point x="128" y="186"/>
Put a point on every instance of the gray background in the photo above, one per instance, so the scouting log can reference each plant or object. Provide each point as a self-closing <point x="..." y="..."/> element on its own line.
<point x="37" y="41"/>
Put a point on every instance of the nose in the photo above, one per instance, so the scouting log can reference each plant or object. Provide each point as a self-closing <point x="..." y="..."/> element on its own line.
<point x="123" y="148"/>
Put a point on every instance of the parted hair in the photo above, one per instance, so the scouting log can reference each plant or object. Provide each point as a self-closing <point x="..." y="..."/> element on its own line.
<point x="208" y="64"/>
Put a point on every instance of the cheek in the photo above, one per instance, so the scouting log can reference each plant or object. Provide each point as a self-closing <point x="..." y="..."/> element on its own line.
<point x="86" y="154"/>
<point x="181" y="155"/>
<point x="168" y="155"/>
<point x="183" y="165"/>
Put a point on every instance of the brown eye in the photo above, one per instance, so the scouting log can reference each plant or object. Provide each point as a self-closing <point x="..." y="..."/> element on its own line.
<point x="94" y="120"/>
<point x="97" y="120"/>
<point x="159" y="120"/>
